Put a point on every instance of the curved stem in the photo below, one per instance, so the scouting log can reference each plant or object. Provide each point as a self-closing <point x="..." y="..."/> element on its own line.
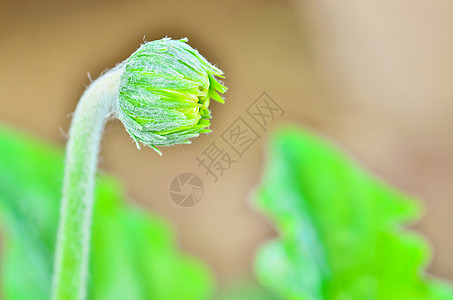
<point x="72" y="251"/>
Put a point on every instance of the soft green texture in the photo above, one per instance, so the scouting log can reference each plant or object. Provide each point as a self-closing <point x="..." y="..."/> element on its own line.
<point x="133" y="253"/>
<point x="74" y="228"/>
<point x="245" y="290"/>
<point x="341" y="234"/>
<point x="165" y="90"/>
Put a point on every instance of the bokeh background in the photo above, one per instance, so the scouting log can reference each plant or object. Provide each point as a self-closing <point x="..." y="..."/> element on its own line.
<point x="373" y="76"/>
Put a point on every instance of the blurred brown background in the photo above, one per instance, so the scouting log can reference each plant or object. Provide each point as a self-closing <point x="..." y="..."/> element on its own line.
<point x="374" y="76"/>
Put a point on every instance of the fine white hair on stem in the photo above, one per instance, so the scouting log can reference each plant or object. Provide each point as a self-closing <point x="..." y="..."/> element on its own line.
<point x="71" y="259"/>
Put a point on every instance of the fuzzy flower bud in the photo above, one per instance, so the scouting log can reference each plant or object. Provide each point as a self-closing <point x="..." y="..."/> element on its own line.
<point x="164" y="93"/>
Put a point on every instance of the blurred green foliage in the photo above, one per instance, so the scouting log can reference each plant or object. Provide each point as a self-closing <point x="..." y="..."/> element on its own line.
<point x="133" y="253"/>
<point x="341" y="234"/>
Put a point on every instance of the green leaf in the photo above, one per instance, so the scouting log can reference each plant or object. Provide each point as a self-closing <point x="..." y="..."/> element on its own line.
<point x="341" y="229"/>
<point x="133" y="253"/>
<point x="245" y="289"/>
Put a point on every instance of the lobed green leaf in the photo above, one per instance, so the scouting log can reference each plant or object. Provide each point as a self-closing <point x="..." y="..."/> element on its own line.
<point x="342" y="232"/>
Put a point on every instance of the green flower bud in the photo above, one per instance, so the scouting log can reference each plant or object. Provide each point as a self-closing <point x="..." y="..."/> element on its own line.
<point x="164" y="93"/>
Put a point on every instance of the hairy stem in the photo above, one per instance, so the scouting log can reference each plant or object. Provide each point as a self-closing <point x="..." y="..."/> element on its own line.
<point x="73" y="242"/>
